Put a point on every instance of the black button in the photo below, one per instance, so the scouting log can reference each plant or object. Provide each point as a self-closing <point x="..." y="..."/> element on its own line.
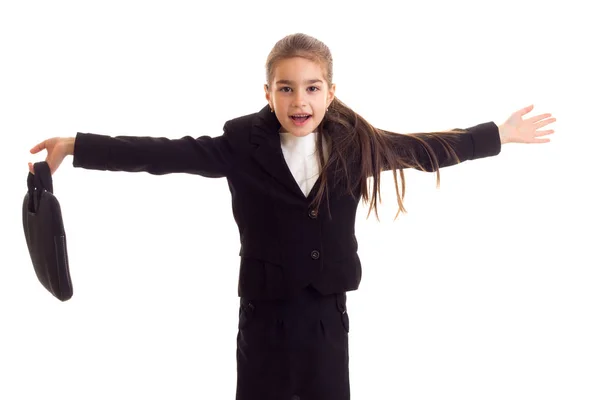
<point x="315" y="254"/>
<point x="313" y="213"/>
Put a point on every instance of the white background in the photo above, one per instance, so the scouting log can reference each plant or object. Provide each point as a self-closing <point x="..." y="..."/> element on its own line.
<point x="487" y="289"/>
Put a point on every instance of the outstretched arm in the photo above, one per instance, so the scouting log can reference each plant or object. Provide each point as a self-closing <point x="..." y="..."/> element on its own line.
<point x="479" y="141"/>
<point x="205" y="155"/>
<point x="418" y="150"/>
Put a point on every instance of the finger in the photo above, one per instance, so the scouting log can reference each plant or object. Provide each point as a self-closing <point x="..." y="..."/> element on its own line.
<point x="544" y="133"/>
<point x="541" y="124"/>
<point x="525" y="110"/>
<point x="540" y="117"/>
<point x="38" y="147"/>
<point x="31" y="168"/>
<point x="540" y="141"/>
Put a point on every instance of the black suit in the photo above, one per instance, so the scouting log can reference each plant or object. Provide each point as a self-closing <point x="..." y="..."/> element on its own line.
<point x="292" y="341"/>
<point x="285" y="246"/>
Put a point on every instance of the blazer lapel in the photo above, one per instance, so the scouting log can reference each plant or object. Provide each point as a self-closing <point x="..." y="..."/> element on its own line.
<point x="268" y="153"/>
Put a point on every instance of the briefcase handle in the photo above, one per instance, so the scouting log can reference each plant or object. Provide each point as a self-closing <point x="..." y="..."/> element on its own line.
<point x="37" y="183"/>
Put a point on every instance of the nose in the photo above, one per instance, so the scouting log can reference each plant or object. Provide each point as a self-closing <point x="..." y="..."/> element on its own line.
<point x="298" y="98"/>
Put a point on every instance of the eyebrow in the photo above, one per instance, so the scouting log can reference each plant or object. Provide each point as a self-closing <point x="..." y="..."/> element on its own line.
<point x="288" y="82"/>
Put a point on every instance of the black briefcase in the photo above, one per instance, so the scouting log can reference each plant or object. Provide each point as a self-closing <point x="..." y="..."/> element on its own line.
<point x="45" y="233"/>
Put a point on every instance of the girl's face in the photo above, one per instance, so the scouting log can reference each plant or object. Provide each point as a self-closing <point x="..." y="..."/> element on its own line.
<point x="299" y="88"/>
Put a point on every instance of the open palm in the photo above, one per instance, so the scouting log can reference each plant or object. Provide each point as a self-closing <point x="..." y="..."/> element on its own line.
<point x="518" y="130"/>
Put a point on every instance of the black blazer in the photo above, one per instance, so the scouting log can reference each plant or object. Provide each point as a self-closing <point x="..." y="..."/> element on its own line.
<point x="285" y="245"/>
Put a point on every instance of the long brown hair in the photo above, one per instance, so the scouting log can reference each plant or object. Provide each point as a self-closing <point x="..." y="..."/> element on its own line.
<point x="357" y="149"/>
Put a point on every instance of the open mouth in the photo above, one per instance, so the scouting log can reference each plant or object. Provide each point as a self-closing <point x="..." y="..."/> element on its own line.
<point x="300" y="119"/>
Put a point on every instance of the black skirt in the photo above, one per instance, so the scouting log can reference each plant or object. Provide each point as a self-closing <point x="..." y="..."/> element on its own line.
<point x="293" y="349"/>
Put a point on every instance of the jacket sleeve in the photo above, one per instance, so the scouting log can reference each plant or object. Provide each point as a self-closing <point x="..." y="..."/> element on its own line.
<point x="206" y="156"/>
<point x="478" y="141"/>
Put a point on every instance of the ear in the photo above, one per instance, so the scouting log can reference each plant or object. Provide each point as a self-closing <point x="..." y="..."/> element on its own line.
<point x="331" y="94"/>
<point x="267" y="93"/>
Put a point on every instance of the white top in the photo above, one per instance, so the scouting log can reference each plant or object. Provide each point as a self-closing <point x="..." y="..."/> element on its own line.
<point x="302" y="159"/>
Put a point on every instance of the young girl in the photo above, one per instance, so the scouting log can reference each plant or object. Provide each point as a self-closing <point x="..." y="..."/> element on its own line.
<point x="296" y="170"/>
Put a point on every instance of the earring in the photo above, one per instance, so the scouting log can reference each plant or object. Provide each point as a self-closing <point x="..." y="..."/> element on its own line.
<point x="271" y="110"/>
<point x="327" y="109"/>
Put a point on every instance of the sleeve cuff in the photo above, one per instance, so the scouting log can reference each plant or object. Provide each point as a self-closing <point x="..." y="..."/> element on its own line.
<point x="91" y="151"/>
<point x="486" y="140"/>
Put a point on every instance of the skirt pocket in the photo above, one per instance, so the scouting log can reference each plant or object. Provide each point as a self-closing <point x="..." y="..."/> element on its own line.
<point x="246" y="313"/>
<point x="341" y="305"/>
